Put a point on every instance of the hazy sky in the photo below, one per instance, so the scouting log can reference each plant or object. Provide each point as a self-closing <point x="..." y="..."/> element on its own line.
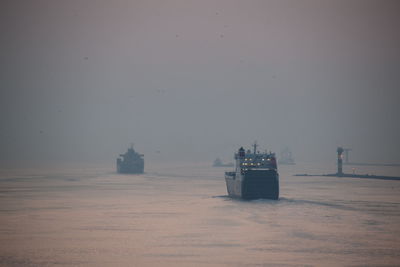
<point x="80" y="80"/>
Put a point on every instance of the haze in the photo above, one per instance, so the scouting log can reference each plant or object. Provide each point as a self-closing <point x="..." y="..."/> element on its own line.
<point x="81" y="80"/>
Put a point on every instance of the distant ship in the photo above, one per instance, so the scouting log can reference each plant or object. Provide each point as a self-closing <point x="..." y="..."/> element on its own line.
<point x="255" y="176"/>
<point x="218" y="163"/>
<point x="286" y="157"/>
<point x="130" y="162"/>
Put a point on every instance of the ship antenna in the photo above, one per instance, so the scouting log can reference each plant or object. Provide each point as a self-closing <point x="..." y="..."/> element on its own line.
<point x="255" y="147"/>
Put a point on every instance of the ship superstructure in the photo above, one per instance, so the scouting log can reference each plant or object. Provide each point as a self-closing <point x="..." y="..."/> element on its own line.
<point x="255" y="176"/>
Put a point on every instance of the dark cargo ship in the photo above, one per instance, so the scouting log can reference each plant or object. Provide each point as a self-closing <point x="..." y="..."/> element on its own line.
<point x="255" y="176"/>
<point x="218" y="163"/>
<point x="130" y="162"/>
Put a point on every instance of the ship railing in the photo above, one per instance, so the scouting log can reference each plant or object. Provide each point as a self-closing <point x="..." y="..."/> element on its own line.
<point x="258" y="168"/>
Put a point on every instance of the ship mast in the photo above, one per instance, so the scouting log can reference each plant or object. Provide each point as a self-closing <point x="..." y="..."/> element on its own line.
<point x="255" y="147"/>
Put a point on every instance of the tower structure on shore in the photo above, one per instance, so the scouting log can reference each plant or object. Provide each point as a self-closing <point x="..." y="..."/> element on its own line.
<point x="340" y="161"/>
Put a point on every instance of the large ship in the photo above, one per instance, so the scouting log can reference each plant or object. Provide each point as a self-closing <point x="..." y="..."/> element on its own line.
<point x="255" y="176"/>
<point x="130" y="162"/>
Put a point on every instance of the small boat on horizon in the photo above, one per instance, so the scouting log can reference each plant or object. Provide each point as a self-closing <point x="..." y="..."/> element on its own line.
<point x="218" y="163"/>
<point x="286" y="157"/>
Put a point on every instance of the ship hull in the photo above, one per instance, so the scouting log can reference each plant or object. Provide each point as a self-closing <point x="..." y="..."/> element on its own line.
<point x="130" y="168"/>
<point x="253" y="184"/>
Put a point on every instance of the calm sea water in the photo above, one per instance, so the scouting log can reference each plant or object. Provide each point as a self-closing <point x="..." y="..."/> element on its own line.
<point x="179" y="215"/>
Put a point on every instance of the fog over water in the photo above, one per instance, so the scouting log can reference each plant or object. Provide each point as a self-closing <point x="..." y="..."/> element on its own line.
<point x="186" y="82"/>
<point x="180" y="215"/>
<point x="80" y="80"/>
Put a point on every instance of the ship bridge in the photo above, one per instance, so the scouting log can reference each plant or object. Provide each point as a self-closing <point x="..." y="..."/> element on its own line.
<point x="266" y="161"/>
<point x="249" y="160"/>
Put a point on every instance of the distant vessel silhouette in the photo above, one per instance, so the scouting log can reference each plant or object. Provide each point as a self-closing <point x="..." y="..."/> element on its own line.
<point x="130" y="162"/>
<point x="218" y="163"/>
<point x="286" y="157"/>
<point x="255" y="176"/>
